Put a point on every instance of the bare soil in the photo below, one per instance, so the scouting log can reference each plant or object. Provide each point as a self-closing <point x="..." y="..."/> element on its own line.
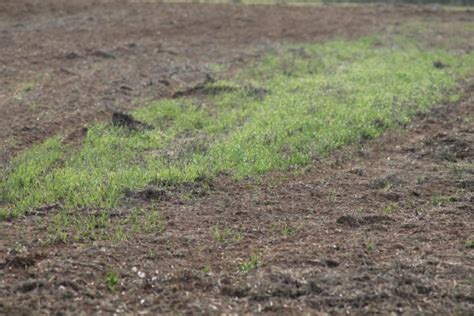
<point x="379" y="227"/>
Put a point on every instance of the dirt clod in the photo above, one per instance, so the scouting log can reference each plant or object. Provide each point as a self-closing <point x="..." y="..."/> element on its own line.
<point x="354" y="222"/>
<point x="29" y="285"/>
<point x="72" y="55"/>
<point x="102" y="54"/>
<point x="348" y="220"/>
<point x="258" y="93"/>
<point x="439" y="64"/>
<point x="148" y="194"/>
<point x="128" y="122"/>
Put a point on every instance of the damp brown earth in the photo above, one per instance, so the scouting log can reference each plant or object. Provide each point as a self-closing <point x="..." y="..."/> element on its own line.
<point x="379" y="227"/>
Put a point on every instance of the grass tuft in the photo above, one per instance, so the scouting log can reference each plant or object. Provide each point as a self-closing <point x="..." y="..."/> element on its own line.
<point x="67" y="226"/>
<point x="112" y="280"/>
<point x="469" y="244"/>
<point x="251" y="264"/>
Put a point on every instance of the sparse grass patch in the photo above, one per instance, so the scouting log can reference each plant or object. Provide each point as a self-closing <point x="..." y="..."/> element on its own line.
<point x="6" y="215"/>
<point x="251" y="264"/>
<point x="469" y="244"/>
<point x="440" y="200"/>
<point x="206" y="269"/>
<point x="217" y="67"/>
<point x="26" y="87"/>
<point x="23" y="90"/>
<point x="275" y="115"/>
<point x="370" y="245"/>
<point x="66" y="226"/>
<point x="225" y="234"/>
<point x="152" y="255"/>
<point x="112" y="280"/>
<point x="286" y="229"/>
<point x="332" y="195"/>
<point x="390" y="208"/>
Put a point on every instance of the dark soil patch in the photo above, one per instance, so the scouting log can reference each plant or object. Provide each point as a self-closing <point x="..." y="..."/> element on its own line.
<point x="18" y="262"/>
<point x="439" y="64"/>
<point x="29" y="285"/>
<point x="448" y="147"/>
<point x="148" y="194"/>
<point x="351" y="221"/>
<point x="256" y="92"/>
<point x="128" y="122"/>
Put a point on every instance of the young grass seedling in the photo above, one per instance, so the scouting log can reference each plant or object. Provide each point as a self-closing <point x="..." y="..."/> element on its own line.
<point x="442" y="200"/>
<point x="370" y="245"/>
<point x="251" y="264"/>
<point x="152" y="255"/>
<point x="286" y="229"/>
<point x="390" y="208"/>
<point x="225" y="234"/>
<point x="469" y="244"/>
<point x="112" y="280"/>
<point x="218" y="234"/>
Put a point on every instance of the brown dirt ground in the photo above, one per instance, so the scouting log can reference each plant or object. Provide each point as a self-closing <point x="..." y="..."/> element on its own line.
<point x="66" y="63"/>
<point x="379" y="227"/>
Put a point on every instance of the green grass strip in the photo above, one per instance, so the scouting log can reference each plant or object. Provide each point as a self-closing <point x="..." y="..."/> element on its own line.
<point x="278" y="114"/>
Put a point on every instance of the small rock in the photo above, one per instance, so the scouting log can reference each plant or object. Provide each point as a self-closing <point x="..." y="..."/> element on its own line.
<point x="72" y="55"/>
<point x="102" y="54"/>
<point x="29" y="285"/>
